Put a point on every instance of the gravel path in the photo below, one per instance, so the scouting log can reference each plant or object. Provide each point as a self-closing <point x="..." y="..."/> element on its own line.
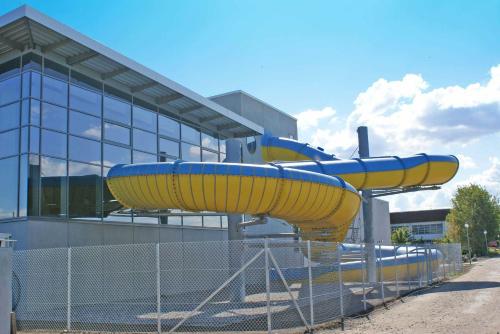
<point x="467" y="304"/>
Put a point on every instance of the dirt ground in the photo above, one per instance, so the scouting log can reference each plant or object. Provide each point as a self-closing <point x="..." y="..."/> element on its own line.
<point x="467" y="304"/>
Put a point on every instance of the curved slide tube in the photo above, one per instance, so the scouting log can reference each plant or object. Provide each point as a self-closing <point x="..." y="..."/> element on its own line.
<point x="318" y="196"/>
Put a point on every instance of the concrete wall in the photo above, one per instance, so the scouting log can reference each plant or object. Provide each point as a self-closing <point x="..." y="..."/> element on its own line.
<point x="381" y="220"/>
<point x="34" y="234"/>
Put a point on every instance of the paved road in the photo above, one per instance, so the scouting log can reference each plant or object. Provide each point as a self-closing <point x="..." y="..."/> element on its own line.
<point x="467" y="304"/>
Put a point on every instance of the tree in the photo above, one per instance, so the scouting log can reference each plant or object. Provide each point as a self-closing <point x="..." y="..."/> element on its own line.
<point x="473" y="205"/>
<point x="401" y="236"/>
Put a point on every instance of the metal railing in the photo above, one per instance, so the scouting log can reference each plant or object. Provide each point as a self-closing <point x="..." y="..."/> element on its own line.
<point x="251" y="285"/>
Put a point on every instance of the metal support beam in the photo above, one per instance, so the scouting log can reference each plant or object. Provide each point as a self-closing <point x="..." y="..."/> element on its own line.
<point x="228" y="126"/>
<point x="11" y="43"/>
<point x="189" y="109"/>
<point x="73" y="60"/>
<point x="51" y="47"/>
<point x="210" y="118"/>
<point x="243" y="134"/>
<point x="140" y="88"/>
<point x="30" y="34"/>
<point x="114" y="73"/>
<point x="169" y="98"/>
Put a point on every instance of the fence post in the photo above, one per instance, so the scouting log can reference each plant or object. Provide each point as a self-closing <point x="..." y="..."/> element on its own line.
<point x="363" y="270"/>
<point x="311" y="299"/>
<point x="68" y="306"/>
<point x="158" y="289"/>
<point x="419" y="276"/>
<point x="408" y="269"/>
<point x="445" y="259"/>
<point x="381" y="268"/>
<point x="268" y="286"/>
<point x="339" y="258"/>
<point x="396" y="270"/>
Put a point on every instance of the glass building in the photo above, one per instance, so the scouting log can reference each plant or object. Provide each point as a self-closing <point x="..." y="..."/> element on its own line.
<point x="71" y="108"/>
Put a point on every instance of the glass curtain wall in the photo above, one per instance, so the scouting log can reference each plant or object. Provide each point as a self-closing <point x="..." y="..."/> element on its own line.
<point x="62" y="131"/>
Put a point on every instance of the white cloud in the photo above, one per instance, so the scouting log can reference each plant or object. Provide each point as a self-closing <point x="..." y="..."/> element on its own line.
<point x="311" y="118"/>
<point x="405" y="117"/>
<point x="489" y="178"/>
<point x="466" y="162"/>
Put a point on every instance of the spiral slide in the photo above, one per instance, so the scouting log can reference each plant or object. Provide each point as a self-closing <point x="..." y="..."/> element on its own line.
<point x="319" y="195"/>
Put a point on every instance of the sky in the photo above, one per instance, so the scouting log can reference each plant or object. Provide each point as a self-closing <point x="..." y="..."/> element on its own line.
<point x="424" y="76"/>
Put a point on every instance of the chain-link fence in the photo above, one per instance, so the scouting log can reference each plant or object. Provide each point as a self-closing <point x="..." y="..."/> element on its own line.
<point x="216" y="286"/>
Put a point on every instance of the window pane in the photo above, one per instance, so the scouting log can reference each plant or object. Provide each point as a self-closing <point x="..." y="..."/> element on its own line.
<point x="210" y="156"/>
<point x="23" y="186"/>
<point x="224" y="221"/>
<point x="53" y="143"/>
<point x="191" y="221"/>
<point x="54" y="117"/>
<point x="35" y="112"/>
<point x="53" y="180"/>
<point x="209" y="141"/>
<point x="24" y="139"/>
<point x="174" y="220"/>
<point x="110" y="204"/>
<point x="85" y="100"/>
<point x="222" y="157"/>
<point x="34" y="186"/>
<point x="55" y="91"/>
<point x="84" y="125"/>
<point x="144" y="141"/>
<point x="85" y="150"/>
<point x="222" y="145"/>
<point x="8" y="181"/>
<point x="190" y="134"/>
<point x="141" y="157"/>
<point x="190" y="152"/>
<point x="169" y="147"/>
<point x="84" y="190"/>
<point x="9" y="143"/>
<point x="144" y="119"/>
<point x="211" y="221"/>
<point x="114" y="155"/>
<point x="9" y="68"/>
<point x="11" y="90"/>
<point x="25" y="112"/>
<point x="36" y="85"/>
<point x="146" y="220"/>
<point x="9" y="116"/>
<point x="117" y="110"/>
<point x="34" y="140"/>
<point x="26" y="84"/>
<point x="168" y="127"/>
<point x="32" y="61"/>
<point x="56" y="70"/>
<point x="117" y="133"/>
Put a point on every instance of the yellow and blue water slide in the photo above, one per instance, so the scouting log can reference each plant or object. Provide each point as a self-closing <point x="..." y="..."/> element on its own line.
<point x="318" y="194"/>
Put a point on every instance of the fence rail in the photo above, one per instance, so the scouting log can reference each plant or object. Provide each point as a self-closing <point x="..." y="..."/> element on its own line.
<point x="257" y="285"/>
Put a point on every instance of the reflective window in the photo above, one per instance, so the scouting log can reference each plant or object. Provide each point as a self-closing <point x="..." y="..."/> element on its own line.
<point x="34" y="140"/>
<point x="24" y="139"/>
<point x="9" y="68"/>
<point x="56" y="70"/>
<point x="9" y="143"/>
<point x="23" y="186"/>
<point x="174" y="220"/>
<point x="26" y="84"/>
<point x="35" y="112"/>
<point x="146" y="220"/>
<point x="168" y="127"/>
<point x="141" y="157"/>
<point x="190" y="152"/>
<point x="169" y="147"/>
<point x="209" y="156"/>
<point x="53" y="181"/>
<point x="222" y="145"/>
<point x="84" y="125"/>
<point x="211" y="221"/>
<point x="8" y="181"/>
<point x="54" y="143"/>
<point x="144" y="141"/>
<point x="84" y="190"/>
<point x="32" y="61"/>
<point x="223" y="221"/>
<point x="36" y="85"/>
<point x="117" y="133"/>
<point x="114" y="155"/>
<point x="85" y="100"/>
<point x="11" y="90"/>
<point x="190" y="134"/>
<point x="54" y="117"/>
<point x="25" y="112"/>
<point x="222" y="157"/>
<point x="55" y="91"/>
<point x="9" y="116"/>
<point x="192" y="221"/>
<point x="209" y="141"/>
<point x="111" y="205"/>
<point x="144" y="119"/>
<point x="117" y="110"/>
<point x="251" y="144"/>
<point x="85" y="150"/>
<point x="34" y="186"/>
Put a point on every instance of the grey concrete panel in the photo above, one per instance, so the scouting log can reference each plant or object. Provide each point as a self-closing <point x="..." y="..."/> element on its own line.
<point x="118" y="234"/>
<point x="18" y="231"/>
<point x="170" y="234"/>
<point x="146" y="234"/>
<point x="85" y="234"/>
<point x="47" y="234"/>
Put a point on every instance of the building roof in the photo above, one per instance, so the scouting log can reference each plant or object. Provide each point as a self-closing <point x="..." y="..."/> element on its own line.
<point x="421" y="216"/>
<point x="27" y="29"/>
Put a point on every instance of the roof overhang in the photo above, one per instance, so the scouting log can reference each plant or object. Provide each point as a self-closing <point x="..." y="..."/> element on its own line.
<point x="26" y="29"/>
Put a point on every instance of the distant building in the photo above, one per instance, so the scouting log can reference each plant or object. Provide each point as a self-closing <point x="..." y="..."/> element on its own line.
<point x="427" y="225"/>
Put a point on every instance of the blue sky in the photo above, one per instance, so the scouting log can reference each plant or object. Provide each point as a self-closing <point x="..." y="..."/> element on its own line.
<point x="337" y="64"/>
